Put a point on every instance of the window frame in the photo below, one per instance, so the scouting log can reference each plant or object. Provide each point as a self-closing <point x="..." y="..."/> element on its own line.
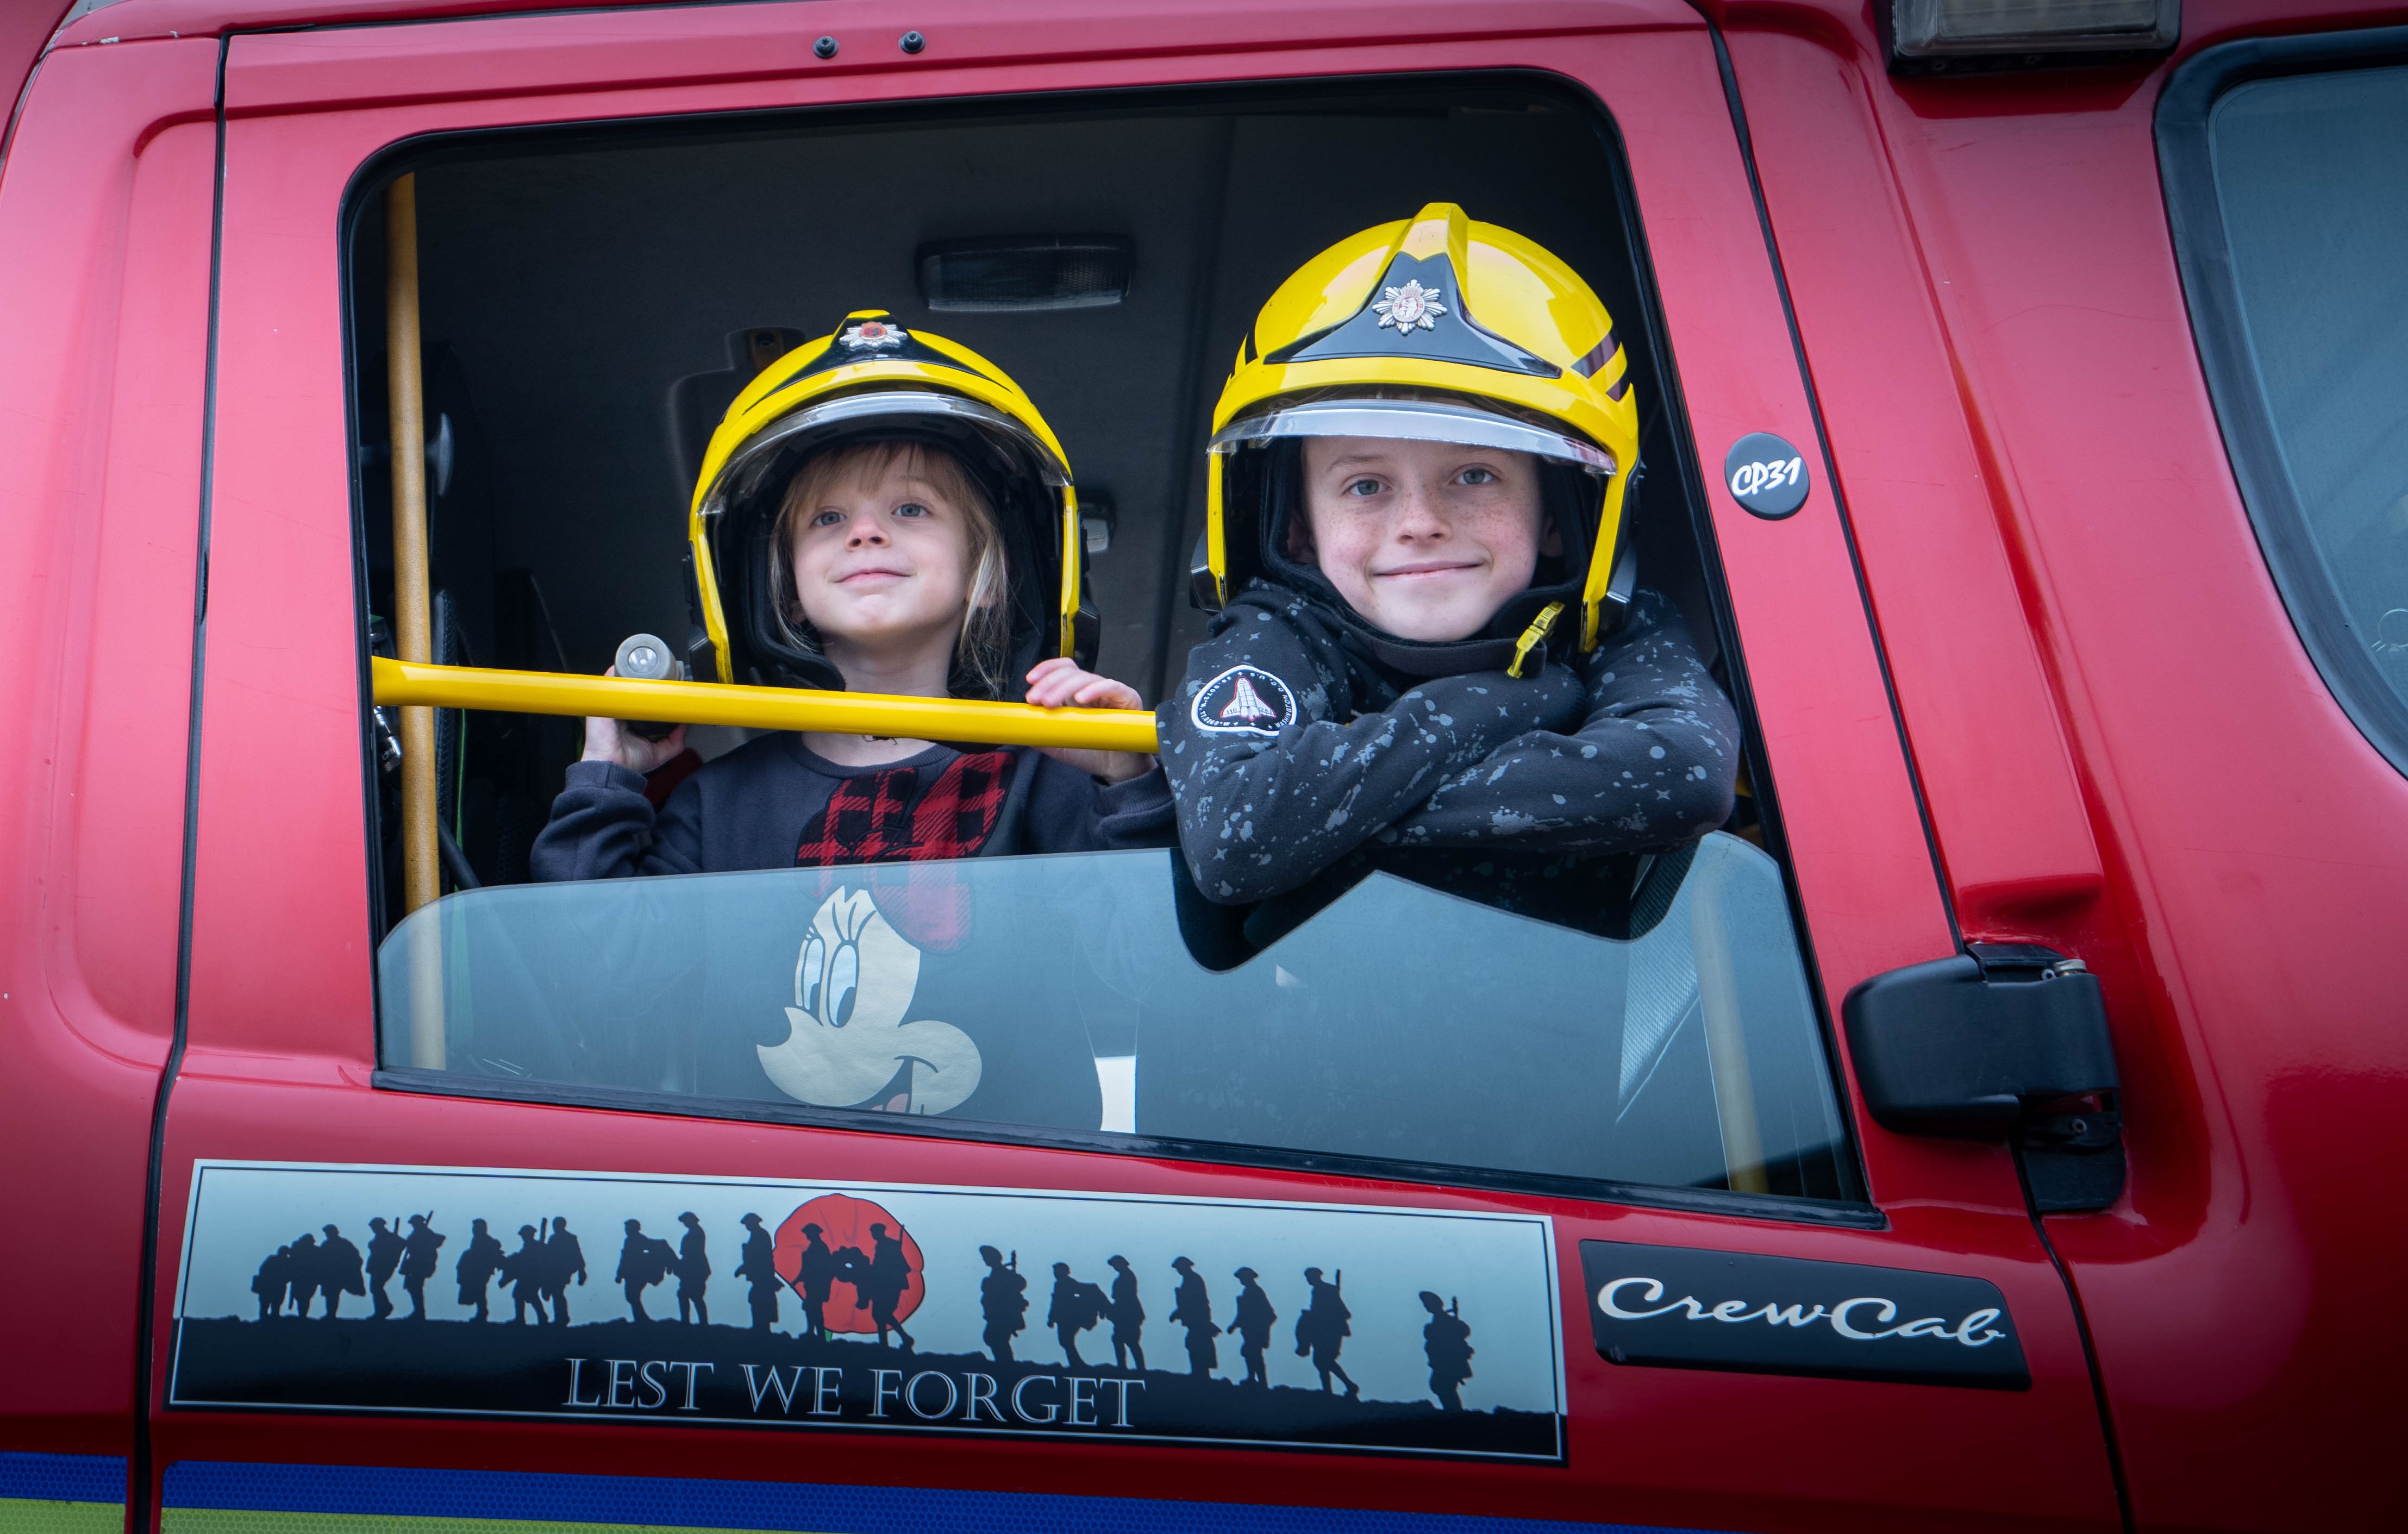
<point x="2195" y="218"/>
<point x="1852" y="1210"/>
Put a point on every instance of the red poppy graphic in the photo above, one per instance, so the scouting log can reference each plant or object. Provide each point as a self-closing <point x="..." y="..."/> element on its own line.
<point x="866" y="1260"/>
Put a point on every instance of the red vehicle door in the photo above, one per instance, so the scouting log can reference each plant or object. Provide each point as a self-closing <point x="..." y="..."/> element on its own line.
<point x="1833" y="1325"/>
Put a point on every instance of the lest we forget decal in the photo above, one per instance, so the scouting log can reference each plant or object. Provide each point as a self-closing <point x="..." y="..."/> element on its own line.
<point x="818" y="1305"/>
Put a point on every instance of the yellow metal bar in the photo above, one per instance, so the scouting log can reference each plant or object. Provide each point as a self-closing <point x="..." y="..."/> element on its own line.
<point x="760" y="708"/>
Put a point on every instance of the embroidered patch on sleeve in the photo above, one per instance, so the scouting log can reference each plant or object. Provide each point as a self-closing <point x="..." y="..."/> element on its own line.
<point x="1245" y="699"/>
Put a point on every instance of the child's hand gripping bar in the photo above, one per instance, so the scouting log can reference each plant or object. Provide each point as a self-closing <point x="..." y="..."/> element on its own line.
<point x="760" y="707"/>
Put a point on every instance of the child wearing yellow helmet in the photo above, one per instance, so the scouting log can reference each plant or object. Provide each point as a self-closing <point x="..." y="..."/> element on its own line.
<point x="881" y="510"/>
<point x="1431" y="641"/>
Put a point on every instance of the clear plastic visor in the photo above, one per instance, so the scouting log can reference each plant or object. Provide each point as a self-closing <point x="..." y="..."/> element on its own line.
<point x="1411" y="420"/>
<point x="741" y="475"/>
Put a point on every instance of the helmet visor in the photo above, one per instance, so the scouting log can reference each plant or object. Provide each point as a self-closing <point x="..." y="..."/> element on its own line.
<point x="1411" y="420"/>
<point x="847" y="415"/>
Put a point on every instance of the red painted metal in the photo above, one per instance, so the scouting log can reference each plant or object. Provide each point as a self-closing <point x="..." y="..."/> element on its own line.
<point x="1989" y="260"/>
<point x="103" y="263"/>
<point x="2121" y="749"/>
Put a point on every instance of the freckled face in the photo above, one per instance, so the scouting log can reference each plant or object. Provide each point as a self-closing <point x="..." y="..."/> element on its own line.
<point x="1424" y="540"/>
<point x="883" y="561"/>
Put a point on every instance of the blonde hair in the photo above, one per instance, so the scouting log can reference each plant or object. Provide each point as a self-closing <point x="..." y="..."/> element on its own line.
<point x="982" y="654"/>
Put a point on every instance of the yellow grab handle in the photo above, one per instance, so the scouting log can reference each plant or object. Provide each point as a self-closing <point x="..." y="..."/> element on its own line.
<point x="760" y="708"/>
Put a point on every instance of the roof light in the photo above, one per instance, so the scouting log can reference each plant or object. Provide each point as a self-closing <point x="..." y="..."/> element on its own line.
<point x="1929" y="36"/>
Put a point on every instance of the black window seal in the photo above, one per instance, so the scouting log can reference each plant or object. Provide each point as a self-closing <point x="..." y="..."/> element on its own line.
<point x="2195" y="215"/>
<point x="1412" y="90"/>
<point x="1351" y="1169"/>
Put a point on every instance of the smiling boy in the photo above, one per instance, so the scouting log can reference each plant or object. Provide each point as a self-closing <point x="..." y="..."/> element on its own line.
<point x="1432" y="645"/>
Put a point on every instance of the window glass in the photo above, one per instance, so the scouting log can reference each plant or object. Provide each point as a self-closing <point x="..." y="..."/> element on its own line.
<point x="1065" y="992"/>
<point x="2308" y="171"/>
<point x="592" y="304"/>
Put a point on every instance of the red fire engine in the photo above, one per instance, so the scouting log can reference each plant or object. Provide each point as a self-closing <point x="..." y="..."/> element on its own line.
<point x="1986" y="1128"/>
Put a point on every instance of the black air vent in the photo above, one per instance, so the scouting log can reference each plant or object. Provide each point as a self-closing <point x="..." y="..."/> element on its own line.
<point x="1024" y="272"/>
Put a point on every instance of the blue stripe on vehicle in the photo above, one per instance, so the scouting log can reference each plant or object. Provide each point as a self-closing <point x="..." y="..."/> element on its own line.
<point x="781" y="1505"/>
<point x="63" y="1478"/>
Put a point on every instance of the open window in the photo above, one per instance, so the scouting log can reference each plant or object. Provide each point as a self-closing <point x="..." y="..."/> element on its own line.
<point x="590" y="301"/>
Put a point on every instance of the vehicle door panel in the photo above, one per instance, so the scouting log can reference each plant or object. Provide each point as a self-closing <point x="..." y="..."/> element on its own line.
<point x="282" y="1056"/>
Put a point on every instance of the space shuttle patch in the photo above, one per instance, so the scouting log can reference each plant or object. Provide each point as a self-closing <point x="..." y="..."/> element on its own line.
<point x="1244" y="700"/>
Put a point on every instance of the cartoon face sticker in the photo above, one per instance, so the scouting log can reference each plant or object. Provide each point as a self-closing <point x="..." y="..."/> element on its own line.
<point x="849" y="1045"/>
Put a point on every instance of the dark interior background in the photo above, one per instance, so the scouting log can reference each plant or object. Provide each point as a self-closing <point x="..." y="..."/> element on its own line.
<point x="570" y="280"/>
<point x="567" y="286"/>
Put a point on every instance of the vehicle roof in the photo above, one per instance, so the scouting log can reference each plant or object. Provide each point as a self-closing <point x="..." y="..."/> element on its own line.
<point x="91" y="22"/>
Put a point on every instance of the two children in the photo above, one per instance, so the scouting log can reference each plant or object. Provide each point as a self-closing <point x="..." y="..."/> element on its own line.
<point x="1430" y="642"/>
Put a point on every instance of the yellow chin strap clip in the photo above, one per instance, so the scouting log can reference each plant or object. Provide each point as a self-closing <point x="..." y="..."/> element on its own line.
<point x="1533" y="637"/>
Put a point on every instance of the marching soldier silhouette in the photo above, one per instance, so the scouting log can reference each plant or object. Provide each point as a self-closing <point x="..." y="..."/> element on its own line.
<point x="1003" y="1300"/>
<point x="643" y="1261"/>
<point x="815" y="1274"/>
<point x="527" y="1271"/>
<point x="339" y="1270"/>
<point x="757" y="1265"/>
<point x="1077" y="1306"/>
<point x="563" y="1258"/>
<point x="1322" y="1329"/>
<point x="1447" y="1341"/>
<point x="1252" y="1326"/>
<point x="302" y="1270"/>
<point x="1127" y="1316"/>
<point x="477" y="1266"/>
<point x="384" y="1255"/>
<point x="890" y="1274"/>
<point x="1191" y="1306"/>
<point x="417" y="1251"/>
<point x="692" y="1271"/>
<point x="273" y="1282"/>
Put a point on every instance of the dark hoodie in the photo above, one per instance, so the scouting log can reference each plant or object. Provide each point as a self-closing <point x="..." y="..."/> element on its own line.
<point x="1297" y="786"/>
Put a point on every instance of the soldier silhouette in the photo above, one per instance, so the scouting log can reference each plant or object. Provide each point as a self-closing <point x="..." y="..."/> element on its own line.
<point x="815" y="1274"/>
<point x="1077" y="1306"/>
<point x="563" y="1258"/>
<point x="477" y="1266"/>
<point x="757" y="1265"/>
<point x="302" y="1270"/>
<point x="417" y="1251"/>
<point x="1128" y="1316"/>
<point x="339" y="1270"/>
<point x="527" y="1271"/>
<point x="1003" y="1300"/>
<point x="643" y="1261"/>
<point x="1191" y="1306"/>
<point x="1322" y="1329"/>
<point x="692" y="1271"/>
<point x="890" y="1274"/>
<point x="273" y="1282"/>
<point x="1252" y="1326"/>
<point x="1448" y="1344"/>
<point x="384" y="1255"/>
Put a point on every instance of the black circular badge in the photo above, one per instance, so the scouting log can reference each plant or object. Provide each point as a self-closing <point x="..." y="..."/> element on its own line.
<point x="1765" y="474"/>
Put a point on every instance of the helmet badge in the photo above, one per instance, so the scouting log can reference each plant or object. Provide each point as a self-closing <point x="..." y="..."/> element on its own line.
<point x="1409" y="308"/>
<point x="872" y="336"/>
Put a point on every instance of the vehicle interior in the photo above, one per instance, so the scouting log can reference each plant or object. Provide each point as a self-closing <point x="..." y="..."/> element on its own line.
<point x="592" y="298"/>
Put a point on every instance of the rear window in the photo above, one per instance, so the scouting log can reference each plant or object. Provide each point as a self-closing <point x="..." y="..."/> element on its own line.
<point x="2292" y="215"/>
<point x="589" y="307"/>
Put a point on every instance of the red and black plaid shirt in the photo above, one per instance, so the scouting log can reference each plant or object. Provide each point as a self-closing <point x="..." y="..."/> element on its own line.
<point x="885" y="817"/>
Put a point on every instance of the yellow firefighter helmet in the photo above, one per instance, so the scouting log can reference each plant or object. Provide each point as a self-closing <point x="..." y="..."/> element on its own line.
<point x="1436" y="328"/>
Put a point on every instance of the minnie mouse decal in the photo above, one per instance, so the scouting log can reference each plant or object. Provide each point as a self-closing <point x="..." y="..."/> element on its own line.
<point x="849" y="1046"/>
